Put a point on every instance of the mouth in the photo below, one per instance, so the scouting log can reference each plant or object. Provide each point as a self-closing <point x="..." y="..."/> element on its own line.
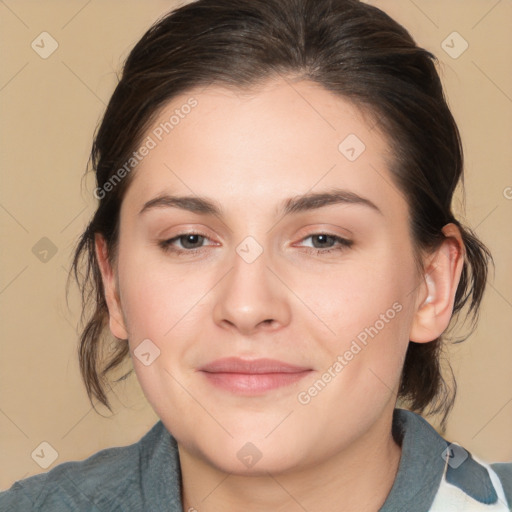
<point x="252" y="377"/>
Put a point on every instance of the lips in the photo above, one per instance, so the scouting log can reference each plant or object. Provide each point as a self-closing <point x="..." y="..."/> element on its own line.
<point x="237" y="365"/>
<point x="250" y="377"/>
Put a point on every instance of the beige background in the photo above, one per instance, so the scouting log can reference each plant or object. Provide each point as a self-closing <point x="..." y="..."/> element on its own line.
<point x="49" y="110"/>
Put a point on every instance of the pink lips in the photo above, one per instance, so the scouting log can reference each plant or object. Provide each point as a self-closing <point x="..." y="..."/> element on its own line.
<point x="251" y="377"/>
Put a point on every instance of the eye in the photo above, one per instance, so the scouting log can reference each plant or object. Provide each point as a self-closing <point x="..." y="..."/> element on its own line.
<point x="326" y="243"/>
<point x="191" y="243"/>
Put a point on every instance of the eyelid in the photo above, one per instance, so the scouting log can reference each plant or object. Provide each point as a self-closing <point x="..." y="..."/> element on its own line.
<point x="327" y="229"/>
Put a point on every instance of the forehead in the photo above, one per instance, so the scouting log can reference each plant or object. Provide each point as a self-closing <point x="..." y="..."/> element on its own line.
<point x="277" y="140"/>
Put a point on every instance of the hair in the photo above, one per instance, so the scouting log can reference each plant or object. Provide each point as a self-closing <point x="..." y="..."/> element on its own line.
<point x="353" y="50"/>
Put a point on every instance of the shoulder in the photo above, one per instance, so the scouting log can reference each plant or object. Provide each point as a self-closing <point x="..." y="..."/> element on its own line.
<point x="503" y="471"/>
<point x="69" y="485"/>
<point x="474" y="484"/>
<point x="108" y="480"/>
<point x="445" y="475"/>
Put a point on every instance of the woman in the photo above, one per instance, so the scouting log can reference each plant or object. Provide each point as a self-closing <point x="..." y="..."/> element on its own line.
<point x="274" y="247"/>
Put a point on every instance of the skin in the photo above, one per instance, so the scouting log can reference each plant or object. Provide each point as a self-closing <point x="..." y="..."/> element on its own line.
<point x="251" y="151"/>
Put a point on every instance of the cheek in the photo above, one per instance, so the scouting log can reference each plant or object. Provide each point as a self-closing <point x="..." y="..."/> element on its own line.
<point x="363" y="293"/>
<point x="156" y="296"/>
<point x="368" y="306"/>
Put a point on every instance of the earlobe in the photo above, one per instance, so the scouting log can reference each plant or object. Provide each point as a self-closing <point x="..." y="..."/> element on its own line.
<point x="116" y="320"/>
<point x="437" y="292"/>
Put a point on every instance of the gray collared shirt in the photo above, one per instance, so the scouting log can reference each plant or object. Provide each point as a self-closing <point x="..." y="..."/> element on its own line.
<point x="433" y="476"/>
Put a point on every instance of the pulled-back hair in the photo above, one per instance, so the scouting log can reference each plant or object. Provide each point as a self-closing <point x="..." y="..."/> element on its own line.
<point x="353" y="50"/>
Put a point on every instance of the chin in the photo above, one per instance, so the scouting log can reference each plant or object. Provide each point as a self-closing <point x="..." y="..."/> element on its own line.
<point x="250" y="452"/>
<point x="252" y="461"/>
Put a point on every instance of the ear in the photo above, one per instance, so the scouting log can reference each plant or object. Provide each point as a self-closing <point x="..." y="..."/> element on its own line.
<point x="116" y="319"/>
<point x="437" y="292"/>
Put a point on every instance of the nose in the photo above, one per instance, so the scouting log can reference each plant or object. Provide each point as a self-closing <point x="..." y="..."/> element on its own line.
<point x="252" y="297"/>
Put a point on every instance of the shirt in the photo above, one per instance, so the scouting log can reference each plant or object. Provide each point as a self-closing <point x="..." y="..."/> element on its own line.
<point x="433" y="476"/>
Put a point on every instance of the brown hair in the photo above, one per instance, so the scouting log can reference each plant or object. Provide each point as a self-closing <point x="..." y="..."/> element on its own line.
<point x="352" y="49"/>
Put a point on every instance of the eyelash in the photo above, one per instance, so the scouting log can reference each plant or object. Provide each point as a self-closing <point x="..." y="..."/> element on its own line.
<point x="166" y="245"/>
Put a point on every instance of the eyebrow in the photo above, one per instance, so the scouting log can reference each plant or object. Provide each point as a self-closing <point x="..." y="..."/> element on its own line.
<point x="297" y="204"/>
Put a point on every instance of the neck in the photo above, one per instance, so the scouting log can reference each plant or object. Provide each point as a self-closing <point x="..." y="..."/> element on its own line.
<point x="358" y="478"/>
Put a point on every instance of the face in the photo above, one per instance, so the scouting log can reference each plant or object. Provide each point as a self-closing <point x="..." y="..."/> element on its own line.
<point x="322" y="287"/>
